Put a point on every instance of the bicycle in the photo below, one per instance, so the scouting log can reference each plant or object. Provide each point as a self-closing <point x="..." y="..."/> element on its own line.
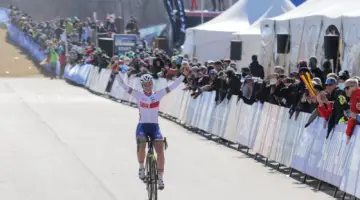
<point x="151" y="173"/>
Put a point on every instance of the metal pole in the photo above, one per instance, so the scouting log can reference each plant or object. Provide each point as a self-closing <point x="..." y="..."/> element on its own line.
<point x="319" y="185"/>
<point x="291" y="171"/>
<point x="96" y="30"/>
<point x="202" y="11"/>
<point x="304" y="180"/>
<point x="336" y="190"/>
<point x="122" y="14"/>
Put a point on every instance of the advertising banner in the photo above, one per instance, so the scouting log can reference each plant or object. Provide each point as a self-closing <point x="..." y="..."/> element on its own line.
<point x="231" y="133"/>
<point x="262" y="131"/>
<point x="4" y="17"/>
<point x="274" y="152"/>
<point x="124" y="43"/>
<point x="332" y="162"/>
<point x="207" y="101"/>
<point x="181" y="24"/>
<point x="304" y="144"/>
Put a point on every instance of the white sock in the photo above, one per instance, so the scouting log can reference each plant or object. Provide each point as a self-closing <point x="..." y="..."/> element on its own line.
<point x="161" y="174"/>
<point x="141" y="165"/>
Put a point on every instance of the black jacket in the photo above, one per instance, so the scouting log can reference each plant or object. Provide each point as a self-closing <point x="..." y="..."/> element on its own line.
<point x="316" y="72"/>
<point x="340" y="106"/>
<point x="257" y="70"/>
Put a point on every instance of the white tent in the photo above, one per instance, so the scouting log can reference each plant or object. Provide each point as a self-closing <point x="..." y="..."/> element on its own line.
<point x="307" y="26"/>
<point x="250" y="38"/>
<point x="211" y="40"/>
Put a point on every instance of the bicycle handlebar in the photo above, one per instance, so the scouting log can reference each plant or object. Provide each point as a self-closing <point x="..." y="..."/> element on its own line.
<point x="151" y="141"/>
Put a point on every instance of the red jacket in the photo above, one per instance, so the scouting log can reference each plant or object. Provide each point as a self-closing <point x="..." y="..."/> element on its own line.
<point x="325" y="111"/>
<point x="354" y="99"/>
<point x="62" y="59"/>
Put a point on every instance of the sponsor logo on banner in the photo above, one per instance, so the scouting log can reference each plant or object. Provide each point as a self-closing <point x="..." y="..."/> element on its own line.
<point x="124" y="43"/>
<point x="170" y="11"/>
<point x="181" y="14"/>
<point x="4" y="17"/>
<point x="303" y="146"/>
<point x="182" y="18"/>
<point x="351" y="175"/>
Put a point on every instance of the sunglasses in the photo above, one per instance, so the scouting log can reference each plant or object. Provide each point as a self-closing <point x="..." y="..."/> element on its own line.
<point x="147" y="85"/>
<point x="347" y="87"/>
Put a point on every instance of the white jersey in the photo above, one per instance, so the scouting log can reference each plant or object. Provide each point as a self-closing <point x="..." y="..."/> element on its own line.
<point x="149" y="105"/>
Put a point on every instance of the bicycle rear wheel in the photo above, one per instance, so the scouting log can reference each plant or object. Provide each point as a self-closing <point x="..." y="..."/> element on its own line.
<point x="152" y="179"/>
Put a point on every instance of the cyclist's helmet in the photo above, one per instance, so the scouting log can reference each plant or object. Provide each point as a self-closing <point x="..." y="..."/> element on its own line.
<point x="146" y="78"/>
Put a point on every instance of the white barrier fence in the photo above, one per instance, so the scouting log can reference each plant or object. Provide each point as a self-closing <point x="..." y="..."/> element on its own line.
<point x="265" y="128"/>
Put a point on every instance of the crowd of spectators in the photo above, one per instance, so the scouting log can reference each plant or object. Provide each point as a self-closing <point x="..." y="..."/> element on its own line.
<point x="333" y="96"/>
<point x="69" y="40"/>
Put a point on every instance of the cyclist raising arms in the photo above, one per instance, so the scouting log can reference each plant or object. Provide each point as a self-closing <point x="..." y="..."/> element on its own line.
<point x="148" y="104"/>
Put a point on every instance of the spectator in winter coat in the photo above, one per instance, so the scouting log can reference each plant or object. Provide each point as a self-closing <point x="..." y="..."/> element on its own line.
<point x="218" y="66"/>
<point x="353" y="91"/>
<point x="251" y="89"/>
<point x="58" y="31"/>
<point x="204" y="78"/>
<point x="340" y="105"/>
<point x="315" y="71"/>
<point x="52" y="59"/>
<point x="227" y="63"/>
<point x="256" y="69"/>
<point x="279" y="70"/>
<point x="69" y="27"/>
<point x="331" y="88"/>
<point x="212" y="82"/>
<point x="317" y="89"/>
<point x="233" y="66"/>
<point x="343" y="76"/>
<point x="157" y="66"/>
<point x="233" y="82"/>
<point x="325" y="106"/>
<point x="327" y="68"/>
<point x="333" y="75"/>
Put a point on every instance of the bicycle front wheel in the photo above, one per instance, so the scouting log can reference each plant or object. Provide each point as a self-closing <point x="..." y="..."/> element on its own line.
<point x="152" y="181"/>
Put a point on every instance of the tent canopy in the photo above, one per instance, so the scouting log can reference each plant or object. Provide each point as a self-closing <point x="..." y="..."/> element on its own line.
<point x="211" y="40"/>
<point x="244" y="13"/>
<point x="327" y="8"/>
<point x="307" y="25"/>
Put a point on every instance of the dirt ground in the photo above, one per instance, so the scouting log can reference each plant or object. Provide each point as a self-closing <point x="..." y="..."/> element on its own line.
<point x="15" y="63"/>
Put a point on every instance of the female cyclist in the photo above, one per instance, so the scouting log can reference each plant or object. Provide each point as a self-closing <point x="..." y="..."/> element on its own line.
<point x="148" y="103"/>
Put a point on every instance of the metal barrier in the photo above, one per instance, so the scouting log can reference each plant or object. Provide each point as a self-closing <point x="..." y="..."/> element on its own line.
<point x="17" y="36"/>
<point x="78" y="73"/>
<point x="269" y="131"/>
<point x="4" y="15"/>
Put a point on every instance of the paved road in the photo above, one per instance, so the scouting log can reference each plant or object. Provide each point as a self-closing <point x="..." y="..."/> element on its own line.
<point x="59" y="142"/>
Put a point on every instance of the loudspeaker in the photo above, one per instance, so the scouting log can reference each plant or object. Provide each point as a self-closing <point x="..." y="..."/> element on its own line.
<point x="107" y="44"/>
<point x="120" y="25"/>
<point x="331" y="46"/>
<point x="235" y="50"/>
<point x="283" y="43"/>
<point x="161" y="43"/>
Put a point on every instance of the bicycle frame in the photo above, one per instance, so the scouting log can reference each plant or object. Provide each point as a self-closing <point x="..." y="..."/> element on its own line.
<point x="151" y="168"/>
<point x="151" y="146"/>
